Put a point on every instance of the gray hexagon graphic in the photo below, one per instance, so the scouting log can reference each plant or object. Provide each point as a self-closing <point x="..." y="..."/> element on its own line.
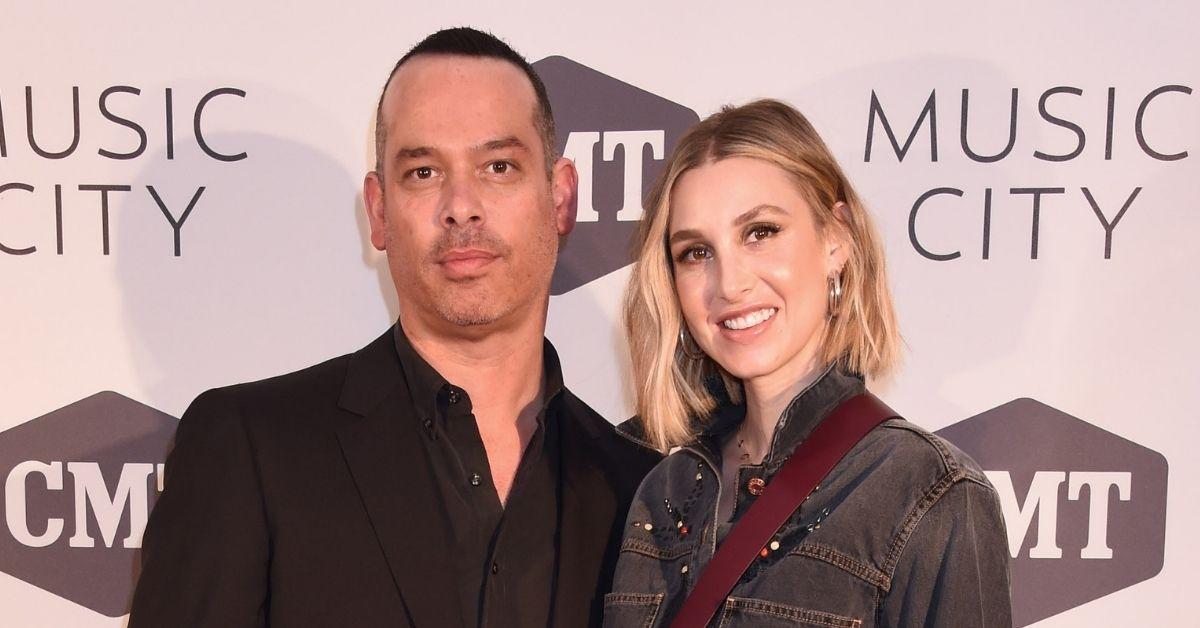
<point x="1085" y="509"/>
<point x="619" y="137"/>
<point x="79" y="485"/>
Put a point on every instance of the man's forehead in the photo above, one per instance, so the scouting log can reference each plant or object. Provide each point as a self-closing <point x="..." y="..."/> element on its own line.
<point x="457" y="91"/>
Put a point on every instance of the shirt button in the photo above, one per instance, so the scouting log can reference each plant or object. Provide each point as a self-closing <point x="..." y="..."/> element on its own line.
<point x="476" y="479"/>
<point x="495" y="568"/>
<point x="452" y="396"/>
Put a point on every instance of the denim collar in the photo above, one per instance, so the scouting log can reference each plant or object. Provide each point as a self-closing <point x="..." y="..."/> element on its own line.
<point x="802" y="414"/>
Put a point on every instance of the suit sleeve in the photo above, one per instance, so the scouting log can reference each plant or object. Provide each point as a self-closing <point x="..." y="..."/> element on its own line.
<point x="205" y="551"/>
<point x="953" y="572"/>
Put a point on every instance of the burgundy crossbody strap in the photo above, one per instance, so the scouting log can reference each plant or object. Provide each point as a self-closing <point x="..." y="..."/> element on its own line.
<point x="809" y="463"/>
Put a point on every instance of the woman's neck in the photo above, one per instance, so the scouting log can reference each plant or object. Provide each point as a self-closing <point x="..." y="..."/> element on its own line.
<point x="766" y="398"/>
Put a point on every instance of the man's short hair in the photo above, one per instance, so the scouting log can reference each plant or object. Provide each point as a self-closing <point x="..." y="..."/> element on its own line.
<point x="469" y="42"/>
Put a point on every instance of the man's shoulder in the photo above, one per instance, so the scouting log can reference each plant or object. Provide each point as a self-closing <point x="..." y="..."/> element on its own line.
<point x="575" y="409"/>
<point x="616" y="451"/>
<point x="310" y="391"/>
<point x="593" y="425"/>
<point x="305" y="384"/>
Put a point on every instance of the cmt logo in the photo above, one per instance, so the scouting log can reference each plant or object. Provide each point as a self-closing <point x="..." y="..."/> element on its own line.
<point x="1085" y="510"/>
<point x="619" y="137"/>
<point x="1043" y="496"/>
<point x="79" y="484"/>
<point x="92" y="495"/>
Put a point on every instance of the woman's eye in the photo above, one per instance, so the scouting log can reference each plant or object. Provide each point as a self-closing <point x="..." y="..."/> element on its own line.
<point x="761" y="232"/>
<point x="694" y="254"/>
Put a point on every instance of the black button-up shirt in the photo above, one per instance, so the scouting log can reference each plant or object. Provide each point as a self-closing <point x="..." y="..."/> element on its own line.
<point x="504" y="555"/>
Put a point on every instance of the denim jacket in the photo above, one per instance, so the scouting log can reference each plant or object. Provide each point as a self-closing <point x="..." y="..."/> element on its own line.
<point x="904" y="531"/>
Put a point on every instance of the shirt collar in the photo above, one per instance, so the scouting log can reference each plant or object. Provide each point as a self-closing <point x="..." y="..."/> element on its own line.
<point x="425" y="384"/>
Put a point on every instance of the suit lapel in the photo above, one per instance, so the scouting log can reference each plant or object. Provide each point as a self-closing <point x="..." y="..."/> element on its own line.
<point x="389" y="464"/>
<point x="587" y="520"/>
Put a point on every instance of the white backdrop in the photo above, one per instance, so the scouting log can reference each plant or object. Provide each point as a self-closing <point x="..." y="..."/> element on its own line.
<point x="275" y="271"/>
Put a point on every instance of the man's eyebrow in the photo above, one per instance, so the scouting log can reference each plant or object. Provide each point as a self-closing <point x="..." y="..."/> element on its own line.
<point x="755" y="213"/>
<point x="413" y="152"/>
<point x="499" y="144"/>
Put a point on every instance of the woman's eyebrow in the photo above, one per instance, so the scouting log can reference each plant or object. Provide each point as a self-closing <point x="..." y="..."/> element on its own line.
<point x="683" y="235"/>
<point x="755" y="213"/>
<point x="741" y="219"/>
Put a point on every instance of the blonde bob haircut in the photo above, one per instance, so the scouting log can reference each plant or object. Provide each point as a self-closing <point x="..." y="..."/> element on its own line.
<point x="673" y="398"/>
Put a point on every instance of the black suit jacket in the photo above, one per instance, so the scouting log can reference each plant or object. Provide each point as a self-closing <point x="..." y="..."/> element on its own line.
<point x="300" y="501"/>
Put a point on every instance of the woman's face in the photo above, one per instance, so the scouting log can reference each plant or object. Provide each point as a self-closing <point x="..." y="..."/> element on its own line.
<point x="751" y="269"/>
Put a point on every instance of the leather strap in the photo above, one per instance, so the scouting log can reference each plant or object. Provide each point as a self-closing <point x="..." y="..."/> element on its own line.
<point x="812" y="460"/>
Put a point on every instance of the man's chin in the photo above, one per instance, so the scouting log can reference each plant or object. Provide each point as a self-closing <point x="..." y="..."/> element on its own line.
<point x="470" y="319"/>
<point x="467" y="314"/>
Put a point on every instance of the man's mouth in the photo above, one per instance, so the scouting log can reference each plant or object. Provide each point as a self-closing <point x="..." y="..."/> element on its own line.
<point x="460" y="255"/>
<point x="462" y="263"/>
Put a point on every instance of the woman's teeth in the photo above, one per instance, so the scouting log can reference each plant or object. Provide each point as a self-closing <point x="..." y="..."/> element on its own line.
<point x="749" y="320"/>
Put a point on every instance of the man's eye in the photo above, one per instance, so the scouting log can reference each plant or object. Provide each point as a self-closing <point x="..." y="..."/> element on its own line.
<point x="499" y="167"/>
<point x="424" y="172"/>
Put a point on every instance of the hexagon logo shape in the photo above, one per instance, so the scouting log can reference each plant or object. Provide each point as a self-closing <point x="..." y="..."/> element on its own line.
<point x="619" y="137"/>
<point x="79" y="485"/>
<point x="1085" y="509"/>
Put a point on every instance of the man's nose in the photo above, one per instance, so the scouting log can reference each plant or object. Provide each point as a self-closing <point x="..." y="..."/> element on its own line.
<point x="461" y="204"/>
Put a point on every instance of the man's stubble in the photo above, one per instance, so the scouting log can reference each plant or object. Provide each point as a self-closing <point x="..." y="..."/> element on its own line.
<point x="523" y="280"/>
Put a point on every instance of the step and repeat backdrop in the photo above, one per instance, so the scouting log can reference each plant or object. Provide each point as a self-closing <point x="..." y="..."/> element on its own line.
<point x="180" y="209"/>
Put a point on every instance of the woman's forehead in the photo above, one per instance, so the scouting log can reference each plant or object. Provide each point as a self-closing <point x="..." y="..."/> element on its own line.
<point x="718" y="194"/>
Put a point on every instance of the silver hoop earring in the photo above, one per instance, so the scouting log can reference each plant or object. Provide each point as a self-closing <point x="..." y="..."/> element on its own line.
<point x="686" y="344"/>
<point x="835" y="294"/>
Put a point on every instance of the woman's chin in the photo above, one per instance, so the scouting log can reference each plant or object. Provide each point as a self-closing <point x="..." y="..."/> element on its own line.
<point x="747" y="367"/>
<point x="766" y="364"/>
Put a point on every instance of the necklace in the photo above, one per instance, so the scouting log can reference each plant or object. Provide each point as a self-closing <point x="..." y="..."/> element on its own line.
<point x="745" y="455"/>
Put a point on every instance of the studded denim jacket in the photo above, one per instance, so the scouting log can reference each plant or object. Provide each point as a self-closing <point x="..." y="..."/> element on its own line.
<point x="904" y="531"/>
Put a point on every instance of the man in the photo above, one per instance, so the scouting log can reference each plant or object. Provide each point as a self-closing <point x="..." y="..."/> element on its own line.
<point x="441" y="476"/>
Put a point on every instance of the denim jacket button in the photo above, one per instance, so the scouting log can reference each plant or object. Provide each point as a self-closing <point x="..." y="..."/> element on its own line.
<point x="756" y="486"/>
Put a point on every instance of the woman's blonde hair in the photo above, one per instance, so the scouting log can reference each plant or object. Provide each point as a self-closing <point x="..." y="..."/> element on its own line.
<point x="672" y="388"/>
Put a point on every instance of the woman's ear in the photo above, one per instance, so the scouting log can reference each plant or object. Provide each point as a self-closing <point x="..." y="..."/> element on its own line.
<point x="838" y="239"/>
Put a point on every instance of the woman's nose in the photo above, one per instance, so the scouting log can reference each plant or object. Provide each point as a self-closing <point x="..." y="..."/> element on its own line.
<point x="734" y="279"/>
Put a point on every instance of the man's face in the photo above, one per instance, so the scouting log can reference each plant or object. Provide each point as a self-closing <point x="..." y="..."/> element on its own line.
<point x="464" y="207"/>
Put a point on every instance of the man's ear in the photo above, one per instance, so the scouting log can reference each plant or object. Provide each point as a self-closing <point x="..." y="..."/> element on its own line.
<point x="564" y="189"/>
<point x="373" y="204"/>
<point x="838" y="238"/>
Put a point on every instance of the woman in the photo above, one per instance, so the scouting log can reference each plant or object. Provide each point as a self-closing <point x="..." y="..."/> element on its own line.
<point x="758" y="303"/>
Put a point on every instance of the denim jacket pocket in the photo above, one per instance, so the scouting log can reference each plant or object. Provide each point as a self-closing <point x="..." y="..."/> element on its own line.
<point x="740" y="612"/>
<point x="631" y="610"/>
<point x="652" y="565"/>
<point x="652" y="549"/>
